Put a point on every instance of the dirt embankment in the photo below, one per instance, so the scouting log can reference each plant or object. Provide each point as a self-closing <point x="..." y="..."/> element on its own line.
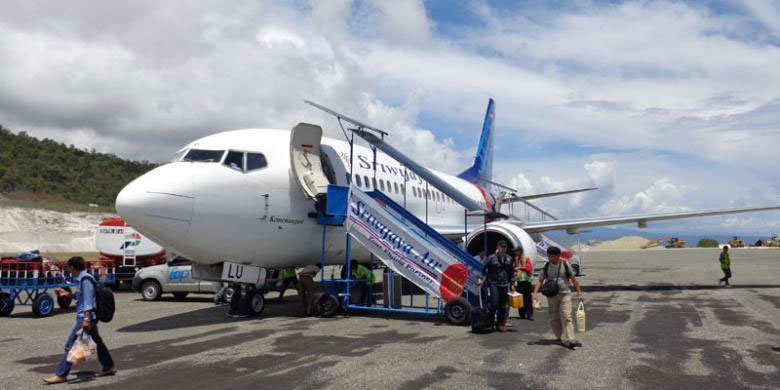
<point x="23" y="229"/>
<point x="622" y="243"/>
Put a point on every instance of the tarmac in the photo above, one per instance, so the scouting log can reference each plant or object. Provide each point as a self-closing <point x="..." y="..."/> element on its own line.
<point x="656" y="320"/>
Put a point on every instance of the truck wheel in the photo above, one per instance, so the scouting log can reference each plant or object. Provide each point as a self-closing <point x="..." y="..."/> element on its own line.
<point x="180" y="295"/>
<point x="6" y="304"/>
<point x="256" y="304"/>
<point x="328" y="305"/>
<point x="458" y="311"/>
<point x="228" y="294"/>
<point x="43" y="305"/>
<point x="151" y="290"/>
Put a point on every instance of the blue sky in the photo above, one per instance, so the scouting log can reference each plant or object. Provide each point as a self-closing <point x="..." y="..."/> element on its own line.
<point x="665" y="105"/>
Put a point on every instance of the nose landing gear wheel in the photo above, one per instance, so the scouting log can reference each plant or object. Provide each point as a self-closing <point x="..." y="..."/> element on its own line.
<point x="43" y="305"/>
<point x="257" y="304"/>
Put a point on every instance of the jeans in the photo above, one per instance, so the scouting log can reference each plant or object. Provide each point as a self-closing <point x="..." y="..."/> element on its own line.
<point x="104" y="357"/>
<point x="499" y="298"/>
<point x="726" y="276"/>
<point x="527" y="310"/>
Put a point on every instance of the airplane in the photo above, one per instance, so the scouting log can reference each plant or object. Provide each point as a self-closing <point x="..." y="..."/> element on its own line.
<point x="249" y="196"/>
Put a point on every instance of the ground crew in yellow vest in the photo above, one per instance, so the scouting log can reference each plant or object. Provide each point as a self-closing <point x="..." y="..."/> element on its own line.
<point x="725" y="266"/>
<point x="364" y="274"/>
<point x="288" y="278"/>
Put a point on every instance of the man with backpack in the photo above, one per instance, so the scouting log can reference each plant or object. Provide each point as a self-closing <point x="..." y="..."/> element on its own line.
<point x="555" y="283"/>
<point x="86" y="322"/>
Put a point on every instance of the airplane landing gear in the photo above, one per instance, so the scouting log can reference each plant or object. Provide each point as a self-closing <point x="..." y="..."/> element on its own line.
<point x="246" y="300"/>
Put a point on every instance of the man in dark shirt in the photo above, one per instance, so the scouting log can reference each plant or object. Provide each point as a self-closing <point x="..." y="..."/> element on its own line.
<point x="497" y="272"/>
<point x="306" y="287"/>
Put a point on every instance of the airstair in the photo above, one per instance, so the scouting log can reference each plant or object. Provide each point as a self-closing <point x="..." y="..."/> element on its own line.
<point x="129" y="246"/>
<point x="409" y="248"/>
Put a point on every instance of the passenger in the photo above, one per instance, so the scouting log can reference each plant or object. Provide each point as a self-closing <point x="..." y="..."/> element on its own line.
<point x="524" y="275"/>
<point x="86" y="321"/>
<point x="560" y="304"/>
<point x="288" y="278"/>
<point x="498" y="274"/>
<point x="306" y="288"/>
<point x="725" y="266"/>
<point x="480" y="256"/>
<point x="359" y="272"/>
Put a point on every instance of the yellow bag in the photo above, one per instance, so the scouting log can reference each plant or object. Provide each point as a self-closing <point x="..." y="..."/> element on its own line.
<point x="515" y="300"/>
<point x="581" y="317"/>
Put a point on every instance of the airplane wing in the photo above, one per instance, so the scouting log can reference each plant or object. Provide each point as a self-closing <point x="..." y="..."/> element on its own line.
<point x="573" y="225"/>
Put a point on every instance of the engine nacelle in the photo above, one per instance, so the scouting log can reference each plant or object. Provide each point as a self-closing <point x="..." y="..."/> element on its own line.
<point x="496" y="231"/>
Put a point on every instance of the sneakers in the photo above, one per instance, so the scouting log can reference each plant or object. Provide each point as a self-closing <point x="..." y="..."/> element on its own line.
<point x="54" y="380"/>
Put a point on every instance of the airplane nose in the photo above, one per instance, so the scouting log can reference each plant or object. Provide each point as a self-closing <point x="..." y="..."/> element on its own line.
<point x="159" y="203"/>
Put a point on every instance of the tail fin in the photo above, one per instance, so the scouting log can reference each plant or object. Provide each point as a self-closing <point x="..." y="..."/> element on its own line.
<point x="482" y="169"/>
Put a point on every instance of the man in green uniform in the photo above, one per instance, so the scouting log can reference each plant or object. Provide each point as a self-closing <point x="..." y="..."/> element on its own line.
<point x="364" y="274"/>
<point x="288" y="278"/>
<point x="725" y="266"/>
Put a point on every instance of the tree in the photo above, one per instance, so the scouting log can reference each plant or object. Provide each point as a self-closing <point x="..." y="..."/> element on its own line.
<point x="707" y="243"/>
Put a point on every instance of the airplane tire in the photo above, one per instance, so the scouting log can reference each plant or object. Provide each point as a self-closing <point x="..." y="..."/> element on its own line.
<point x="43" y="305"/>
<point x="328" y="305"/>
<point x="576" y="269"/>
<point x="256" y="303"/>
<point x="6" y="304"/>
<point x="458" y="311"/>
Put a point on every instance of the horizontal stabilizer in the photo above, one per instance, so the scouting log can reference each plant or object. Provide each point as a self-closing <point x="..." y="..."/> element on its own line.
<point x="551" y="194"/>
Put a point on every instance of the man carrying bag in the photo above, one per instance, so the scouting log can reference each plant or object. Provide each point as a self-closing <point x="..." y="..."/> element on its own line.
<point x="498" y="272"/>
<point x="555" y="283"/>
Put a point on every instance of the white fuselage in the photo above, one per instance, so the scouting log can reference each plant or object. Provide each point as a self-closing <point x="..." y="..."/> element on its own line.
<point x="211" y="212"/>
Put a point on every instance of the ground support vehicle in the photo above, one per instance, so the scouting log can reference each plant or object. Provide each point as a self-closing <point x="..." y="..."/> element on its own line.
<point x="29" y="283"/>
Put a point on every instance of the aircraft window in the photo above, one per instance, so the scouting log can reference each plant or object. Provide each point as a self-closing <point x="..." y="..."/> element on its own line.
<point x="235" y="160"/>
<point x="358" y="181"/>
<point x="402" y="188"/>
<point x="396" y="188"/>
<point x="368" y="183"/>
<point x="373" y="182"/>
<point x="414" y="191"/>
<point x="382" y="184"/>
<point x="179" y="155"/>
<point x="255" y="161"/>
<point x="201" y="155"/>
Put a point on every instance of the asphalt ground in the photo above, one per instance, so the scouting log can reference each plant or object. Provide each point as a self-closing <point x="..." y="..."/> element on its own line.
<point x="656" y="320"/>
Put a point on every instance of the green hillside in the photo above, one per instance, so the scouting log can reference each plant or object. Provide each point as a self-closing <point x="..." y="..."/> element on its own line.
<point x="44" y="170"/>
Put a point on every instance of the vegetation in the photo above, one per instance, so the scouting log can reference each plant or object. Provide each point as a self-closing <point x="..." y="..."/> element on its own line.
<point x="707" y="243"/>
<point x="46" y="171"/>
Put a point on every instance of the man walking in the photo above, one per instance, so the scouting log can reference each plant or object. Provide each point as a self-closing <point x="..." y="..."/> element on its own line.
<point x="725" y="266"/>
<point x="306" y="288"/>
<point x="86" y="321"/>
<point x="498" y="272"/>
<point x="557" y="277"/>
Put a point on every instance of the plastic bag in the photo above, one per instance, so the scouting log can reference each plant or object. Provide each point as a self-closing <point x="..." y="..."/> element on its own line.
<point x="537" y="303"/>
<point x="581" y="317"/>
<point x="515" y="300"/>
<point x="84" y="349"/>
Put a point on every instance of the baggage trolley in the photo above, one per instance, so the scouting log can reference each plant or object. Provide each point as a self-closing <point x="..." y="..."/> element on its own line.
<point x="28" y="283"/>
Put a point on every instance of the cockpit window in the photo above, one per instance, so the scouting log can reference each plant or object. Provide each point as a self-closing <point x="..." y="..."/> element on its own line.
<point x="179" y="155"/>
<point x="202" y="155"/>
<point x="235" y="160"/>
<point x="255" y="161"/>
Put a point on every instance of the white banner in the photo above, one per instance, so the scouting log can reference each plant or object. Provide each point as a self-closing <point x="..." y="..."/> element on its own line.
<point x="405" y="250"/>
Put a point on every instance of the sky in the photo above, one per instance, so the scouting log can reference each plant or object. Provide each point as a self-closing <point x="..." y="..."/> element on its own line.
<point x="663" y="105"/>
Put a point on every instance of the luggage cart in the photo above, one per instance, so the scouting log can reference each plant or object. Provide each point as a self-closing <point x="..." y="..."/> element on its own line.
<point x="27" y="283"/>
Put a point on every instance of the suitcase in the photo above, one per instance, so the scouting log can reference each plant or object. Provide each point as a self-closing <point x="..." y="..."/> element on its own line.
<point x="480" y="318"/>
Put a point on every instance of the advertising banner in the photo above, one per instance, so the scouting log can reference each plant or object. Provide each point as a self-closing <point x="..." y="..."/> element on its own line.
<point x="404" y="249"/>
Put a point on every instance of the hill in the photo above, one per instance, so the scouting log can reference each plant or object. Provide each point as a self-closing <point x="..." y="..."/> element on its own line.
<point x="33" y="170"/>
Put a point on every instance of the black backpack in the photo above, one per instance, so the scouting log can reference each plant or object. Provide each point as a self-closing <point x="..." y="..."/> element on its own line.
<point x="550" y="287"/>
<point x="104" y="300"/>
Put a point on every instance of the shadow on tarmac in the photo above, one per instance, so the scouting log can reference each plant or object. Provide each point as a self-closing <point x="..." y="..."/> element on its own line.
<point x="669" y="287"/>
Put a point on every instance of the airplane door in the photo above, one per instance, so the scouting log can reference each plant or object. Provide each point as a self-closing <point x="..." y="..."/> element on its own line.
<point x="305" y="159"/>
